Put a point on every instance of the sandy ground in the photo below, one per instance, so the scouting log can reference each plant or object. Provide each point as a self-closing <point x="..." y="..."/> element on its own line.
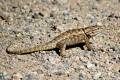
<point x="34" y="22"/>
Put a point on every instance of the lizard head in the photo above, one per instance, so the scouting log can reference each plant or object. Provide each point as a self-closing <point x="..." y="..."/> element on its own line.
<point x="91" y="31"/>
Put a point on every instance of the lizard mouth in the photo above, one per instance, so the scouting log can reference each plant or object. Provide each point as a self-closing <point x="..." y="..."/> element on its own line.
<point x="91" y="34"/>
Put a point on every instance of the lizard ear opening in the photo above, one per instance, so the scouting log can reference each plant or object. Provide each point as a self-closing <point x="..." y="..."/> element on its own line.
<point x="88" y="35"/>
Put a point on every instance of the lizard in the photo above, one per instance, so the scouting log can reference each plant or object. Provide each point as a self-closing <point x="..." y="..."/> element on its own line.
<point x="68" y="38"/>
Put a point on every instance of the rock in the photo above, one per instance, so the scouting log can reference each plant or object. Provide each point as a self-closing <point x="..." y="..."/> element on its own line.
<point x="32" y="76"/>
<point x="97" y="75"/>
<point x="90" y="65"/>
<point x="81" y="77"/>
<point x="4" y="76"/>
<point x="17" y="76"/>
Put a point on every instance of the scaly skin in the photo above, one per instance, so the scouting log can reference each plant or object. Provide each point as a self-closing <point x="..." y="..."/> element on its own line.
<point x="70" y="37"/>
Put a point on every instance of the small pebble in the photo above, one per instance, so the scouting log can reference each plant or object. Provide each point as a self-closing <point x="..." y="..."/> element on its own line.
<point x="17" y="76"/>
<point x="97" y="75"/>
<point x="90" y="65"/>
<point x="4" y="76"/>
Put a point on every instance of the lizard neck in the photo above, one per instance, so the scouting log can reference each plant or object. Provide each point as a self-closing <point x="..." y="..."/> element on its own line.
<point x="88" y="35"/>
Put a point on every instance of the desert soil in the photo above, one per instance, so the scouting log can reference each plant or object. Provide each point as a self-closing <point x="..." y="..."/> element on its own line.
<point x="26" y="23"/>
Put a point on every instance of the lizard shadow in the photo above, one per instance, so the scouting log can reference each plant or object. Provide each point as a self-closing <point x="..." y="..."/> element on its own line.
<point x="71" y="46"/>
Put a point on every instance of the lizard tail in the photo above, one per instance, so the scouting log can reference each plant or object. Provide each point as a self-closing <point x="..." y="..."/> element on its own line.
<point x="46" y="46"/>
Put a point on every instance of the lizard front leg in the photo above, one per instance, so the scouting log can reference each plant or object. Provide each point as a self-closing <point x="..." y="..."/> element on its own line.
<point x="87" y="43"/>
<point x="62" y="46"/>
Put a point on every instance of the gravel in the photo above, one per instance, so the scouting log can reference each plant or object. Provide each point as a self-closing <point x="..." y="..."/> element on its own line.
<point x="34" y="22"/>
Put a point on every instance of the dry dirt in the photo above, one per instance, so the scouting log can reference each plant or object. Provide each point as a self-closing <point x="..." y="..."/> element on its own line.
<point x="34" y="22"/>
